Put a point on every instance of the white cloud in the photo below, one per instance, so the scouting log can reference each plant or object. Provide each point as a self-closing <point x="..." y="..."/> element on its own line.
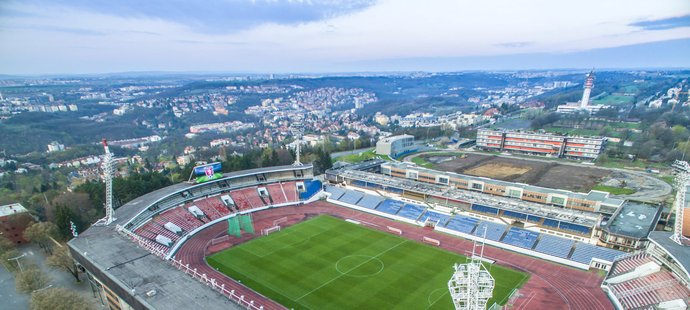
<point x="59" y="39"/>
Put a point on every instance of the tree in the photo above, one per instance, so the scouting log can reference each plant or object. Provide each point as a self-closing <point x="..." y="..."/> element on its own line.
<point x="5" y="244"/>
<point x="59" y="299"/>
<point x="62" y="260"/>
<point x="40" y="233"/>
<point x="31" y="279"/>
<point x="4" y="259"/>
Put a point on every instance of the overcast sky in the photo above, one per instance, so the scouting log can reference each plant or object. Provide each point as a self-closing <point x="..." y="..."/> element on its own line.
<point x="94" y="36"/>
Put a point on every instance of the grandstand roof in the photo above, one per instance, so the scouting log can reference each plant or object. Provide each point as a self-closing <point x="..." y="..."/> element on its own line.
<point x="121" y="261"/>
<point x="567" y="215"/>
<point x="679" y="252"/>
<point x="602" y="197"/>
<point x="633" y="219"/>
<point x="128" y="211"/>
<point x="363" y="165"/>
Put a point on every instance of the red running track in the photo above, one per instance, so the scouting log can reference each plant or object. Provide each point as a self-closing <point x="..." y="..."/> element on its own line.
<point x="551" y="286"/>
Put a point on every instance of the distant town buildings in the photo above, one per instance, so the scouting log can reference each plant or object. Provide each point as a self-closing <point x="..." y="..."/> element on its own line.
<point x="220" y="127"/>
<point x="395" y="146"/>
<point x="136" y="142"/>
<point x="55" y="147"/>
<point x="541" y="143"/>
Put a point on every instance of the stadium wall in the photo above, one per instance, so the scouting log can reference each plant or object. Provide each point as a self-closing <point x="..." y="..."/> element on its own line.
<point x="476" y="238"/>
<point x="515" y="248"/>
<point x="379" y="213"/>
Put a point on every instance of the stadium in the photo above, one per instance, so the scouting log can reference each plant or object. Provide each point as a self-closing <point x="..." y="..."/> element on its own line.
<point x="374" y="234"/>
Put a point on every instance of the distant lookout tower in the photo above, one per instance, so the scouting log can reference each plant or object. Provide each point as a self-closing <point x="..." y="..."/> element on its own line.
<point x="107" y="165"/>
<point x="589" y="83"/>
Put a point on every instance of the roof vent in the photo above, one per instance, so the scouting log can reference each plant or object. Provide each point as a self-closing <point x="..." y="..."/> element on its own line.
<point x="151" y="293"/>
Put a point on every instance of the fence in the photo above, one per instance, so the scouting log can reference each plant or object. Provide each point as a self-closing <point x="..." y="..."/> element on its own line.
<point x="230" y="294"/>
<point x="203" y="278"/>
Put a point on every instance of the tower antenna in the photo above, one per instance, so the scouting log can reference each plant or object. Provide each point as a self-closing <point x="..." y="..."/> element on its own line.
<point x="107" y="165"/>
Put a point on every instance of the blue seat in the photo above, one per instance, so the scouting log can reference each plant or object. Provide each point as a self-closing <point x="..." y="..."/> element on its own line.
<point x="336" y="192"/>
<point x="435" y="217"/>
<point x="555" y="246"/>
<point x="584" y="253"/>
<point x="390" y="206"/>
<point x="411" y="211"/>
<point x="462" y="224"/>
<point x="520" y="237"/>
<point x="370" y="201"/>
<point x="311" y="187"/>
<point x="494" y="231"/>
<point x="351" y="197"/>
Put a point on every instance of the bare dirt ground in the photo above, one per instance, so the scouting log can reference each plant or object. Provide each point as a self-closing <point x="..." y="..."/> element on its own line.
<point x="540" y="173"/>
<point x="498" y="171"/>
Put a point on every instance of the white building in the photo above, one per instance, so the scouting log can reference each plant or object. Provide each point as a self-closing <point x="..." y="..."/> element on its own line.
<point x="395" y="146"/>
<point x="55" y="147"/>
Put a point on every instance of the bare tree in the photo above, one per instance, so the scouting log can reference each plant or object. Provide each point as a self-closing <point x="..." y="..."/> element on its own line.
<point x="30" y="280"/>
<point x="59" y="298"/>
<point x="40" y="233"/>
<point x="61" y="259"/>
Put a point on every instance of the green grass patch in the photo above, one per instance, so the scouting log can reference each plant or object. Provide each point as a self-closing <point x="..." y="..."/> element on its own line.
<point x="627" y="164"/>
<point x="420" y="161"/>
<point x="359" y="157"/>
<point x="613" y="100"/>
<point x="668" y="179"/>
<point x="614" y="190"/>
<point x="328" y="263"/>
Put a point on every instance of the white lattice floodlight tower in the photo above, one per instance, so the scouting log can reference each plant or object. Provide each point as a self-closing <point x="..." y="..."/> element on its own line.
<point x="297" y="131"/>
<point x="472" y="285"/>
<point x="107" y="165"/>
<point x="682" y="176"/>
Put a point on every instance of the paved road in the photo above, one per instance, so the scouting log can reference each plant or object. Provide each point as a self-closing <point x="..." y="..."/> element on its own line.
<point x="648" y="188"/>
<point x="344" y="153"/>
<point x="34" y="255"/>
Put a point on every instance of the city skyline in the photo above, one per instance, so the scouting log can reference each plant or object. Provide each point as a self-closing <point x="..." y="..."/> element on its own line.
<point x="54" y="37"/>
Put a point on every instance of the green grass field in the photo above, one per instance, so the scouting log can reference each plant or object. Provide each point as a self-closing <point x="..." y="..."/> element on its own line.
<point x="359" y="157"/>
<point x="614" y="190"/>
<point x="328" y="263"/>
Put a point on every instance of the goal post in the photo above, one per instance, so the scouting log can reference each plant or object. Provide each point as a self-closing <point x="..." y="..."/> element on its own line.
<point x="269" y="230"/>
<point x="280" y="221"/>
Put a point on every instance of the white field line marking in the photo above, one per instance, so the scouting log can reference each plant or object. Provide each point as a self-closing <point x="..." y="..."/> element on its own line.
<point x="353" y="268"/>
<point x="288" y="233"/>
<point x="437" y="299"/>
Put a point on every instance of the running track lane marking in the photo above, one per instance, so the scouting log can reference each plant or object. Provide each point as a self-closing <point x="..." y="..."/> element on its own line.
<point x="353" y="268"/>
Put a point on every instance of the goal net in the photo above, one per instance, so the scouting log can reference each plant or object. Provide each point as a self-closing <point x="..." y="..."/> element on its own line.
<point x="269" y="230"/>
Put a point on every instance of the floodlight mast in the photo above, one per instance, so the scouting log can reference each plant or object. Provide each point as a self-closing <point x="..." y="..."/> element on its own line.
<point x="682" y="170"/>
<point x="297" y="130"/>
<point x="107" y="165"/>
<point x="471" y="286"/>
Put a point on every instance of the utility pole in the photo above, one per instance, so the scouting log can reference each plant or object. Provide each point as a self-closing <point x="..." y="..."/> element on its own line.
<point x="18" y="261"/>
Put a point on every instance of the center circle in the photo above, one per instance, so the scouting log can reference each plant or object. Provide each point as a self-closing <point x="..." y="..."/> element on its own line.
<point x="359" y="266"/>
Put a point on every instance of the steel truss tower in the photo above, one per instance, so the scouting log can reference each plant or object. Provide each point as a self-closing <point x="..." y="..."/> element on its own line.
<point x="682" y="170"/>
<point x="472" y="285"/>
<point x="108" y="170"/>
<point x="297" y="131"/>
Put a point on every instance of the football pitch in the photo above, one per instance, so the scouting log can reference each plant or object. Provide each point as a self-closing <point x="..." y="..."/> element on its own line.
<point x="328" y="263"/>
